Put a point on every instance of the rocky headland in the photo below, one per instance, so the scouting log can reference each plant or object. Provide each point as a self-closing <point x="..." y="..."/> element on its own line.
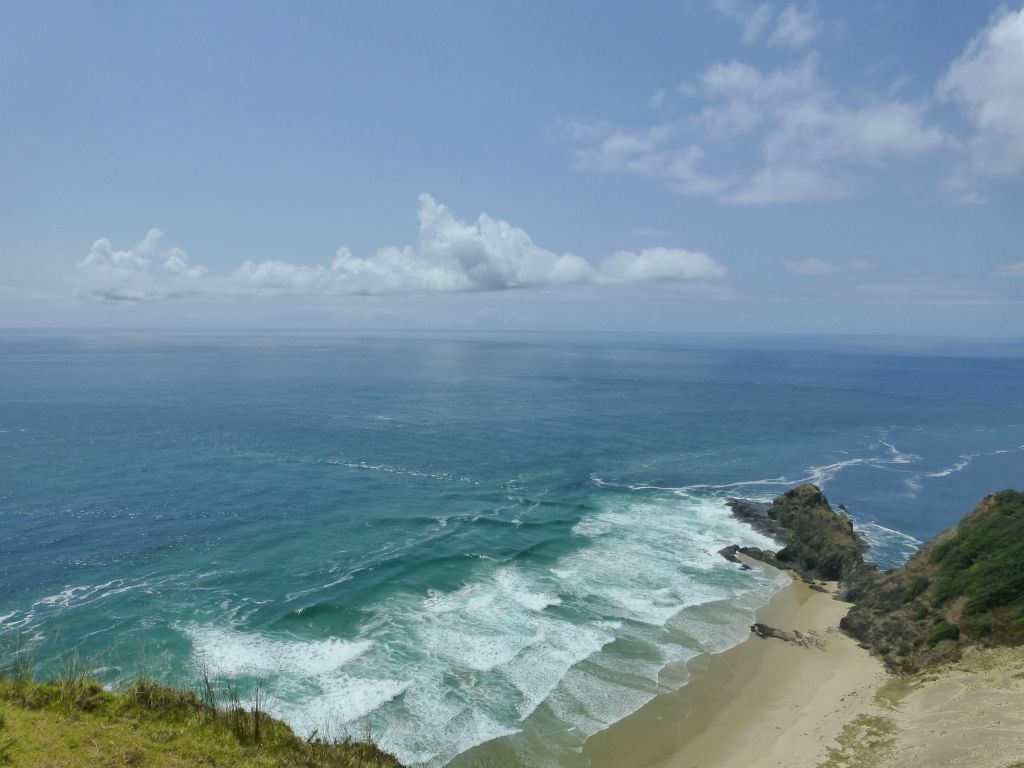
<point x="963" y="588"/>
<point x="819" y="544"/>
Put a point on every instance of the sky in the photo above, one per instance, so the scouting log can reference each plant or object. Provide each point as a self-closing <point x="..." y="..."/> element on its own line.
<point x="726" y="166"/>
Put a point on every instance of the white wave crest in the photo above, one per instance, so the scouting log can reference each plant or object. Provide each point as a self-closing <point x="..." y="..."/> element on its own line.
<point x="229" y="653"/>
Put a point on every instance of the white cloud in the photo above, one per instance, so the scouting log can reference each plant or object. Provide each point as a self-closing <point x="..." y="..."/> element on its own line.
<point x="653" y="264"/>
<point x="492" y="254"/>
<point x="276" y="277"/>
<point x="736" y="80"/>
<point x="987" y="82"/>
<point x="781" y="183"/>
<point x="451" y="255"/>
<point x="177" y="264"/>
<point x="103" y="256"/>
<point x="808" y="145"/>
<point x="757" y="20"/>
<point x="791" y="27"/>
<point x="129" y="276"/>
<point x="794" y="28"/>
<point x="813" y="266"/>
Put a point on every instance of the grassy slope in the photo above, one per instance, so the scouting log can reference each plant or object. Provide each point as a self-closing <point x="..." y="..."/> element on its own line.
<point x="74" y="723"/>
<point x="984" y="565"/>
<point x="965" y="586"/>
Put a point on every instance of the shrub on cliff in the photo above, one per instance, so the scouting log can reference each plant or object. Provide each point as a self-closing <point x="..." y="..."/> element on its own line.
<point x="965" y="586"/>
<point x="984" y="563"/>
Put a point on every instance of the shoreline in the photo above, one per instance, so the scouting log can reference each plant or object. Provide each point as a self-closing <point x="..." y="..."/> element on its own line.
<point x="765" y="702"/>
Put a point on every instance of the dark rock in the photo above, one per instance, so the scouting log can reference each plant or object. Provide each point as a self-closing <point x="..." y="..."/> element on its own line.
<point x="764" y="631"/>
<point x="764" y="556"/>
<point x="819" y="544"/>
<point x="749" y="511"/>
<point x="729" y="553"/>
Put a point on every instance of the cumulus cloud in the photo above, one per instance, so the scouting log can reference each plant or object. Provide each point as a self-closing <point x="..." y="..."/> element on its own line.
<point x="143" y="273"/>
<point x="451" y="255"/>
<point x="813" y="266"/>
<point x="987" y="82"/>
<point x="657" y="264"/>
<point x="808" y="144"/>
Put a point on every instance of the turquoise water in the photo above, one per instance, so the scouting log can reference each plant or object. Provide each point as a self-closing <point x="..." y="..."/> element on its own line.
<point x="445" y="540"/>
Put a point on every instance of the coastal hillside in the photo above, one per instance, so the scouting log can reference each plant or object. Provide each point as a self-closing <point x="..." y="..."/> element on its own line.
<point x="74" y="722"/>
<point x="965" y="587"/>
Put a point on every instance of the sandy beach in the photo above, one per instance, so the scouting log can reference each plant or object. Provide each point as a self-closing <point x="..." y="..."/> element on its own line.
<point x="970" y="712"/>
<point x="765" y="702"/>
<point x="825" y="703"/>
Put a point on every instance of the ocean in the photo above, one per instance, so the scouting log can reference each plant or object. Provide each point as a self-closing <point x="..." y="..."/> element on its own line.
<point x="443" y="539"/>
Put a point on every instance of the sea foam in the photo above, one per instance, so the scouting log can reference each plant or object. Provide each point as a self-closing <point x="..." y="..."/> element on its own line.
<point x="520" y="649"/>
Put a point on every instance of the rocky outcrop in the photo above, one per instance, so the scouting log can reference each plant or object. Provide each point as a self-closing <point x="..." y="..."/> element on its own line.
<point x="818" y="543"/>
<point x="966" y="586"/>
<point x="796" y="637"/>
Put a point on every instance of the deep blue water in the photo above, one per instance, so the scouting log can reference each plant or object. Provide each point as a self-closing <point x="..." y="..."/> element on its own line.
<point x="450" y="539"/>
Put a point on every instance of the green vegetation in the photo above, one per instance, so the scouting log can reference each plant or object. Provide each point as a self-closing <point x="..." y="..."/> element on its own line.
<point x="964" y="587"/>
<point x="984" y="563"/>
<point x="943" y="630"/>
<point x="917" y="586"/>
<point x="74" y="722"/>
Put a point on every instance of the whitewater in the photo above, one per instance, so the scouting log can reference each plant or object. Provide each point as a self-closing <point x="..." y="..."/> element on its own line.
<point x="441" y="540"/>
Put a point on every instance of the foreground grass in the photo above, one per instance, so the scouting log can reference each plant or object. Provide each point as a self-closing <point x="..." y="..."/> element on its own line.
<point x="74" y="722"/>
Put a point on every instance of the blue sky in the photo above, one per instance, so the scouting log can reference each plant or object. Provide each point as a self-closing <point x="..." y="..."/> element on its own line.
<point x="721" y="166"/>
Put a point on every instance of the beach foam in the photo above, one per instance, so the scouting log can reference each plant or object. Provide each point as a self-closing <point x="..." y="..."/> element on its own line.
<point x="580" y="642"/>
<point x="230" y="653"/>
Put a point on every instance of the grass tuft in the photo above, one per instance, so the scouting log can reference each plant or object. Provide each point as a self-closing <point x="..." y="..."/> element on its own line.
<point x="75" y="722"/>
